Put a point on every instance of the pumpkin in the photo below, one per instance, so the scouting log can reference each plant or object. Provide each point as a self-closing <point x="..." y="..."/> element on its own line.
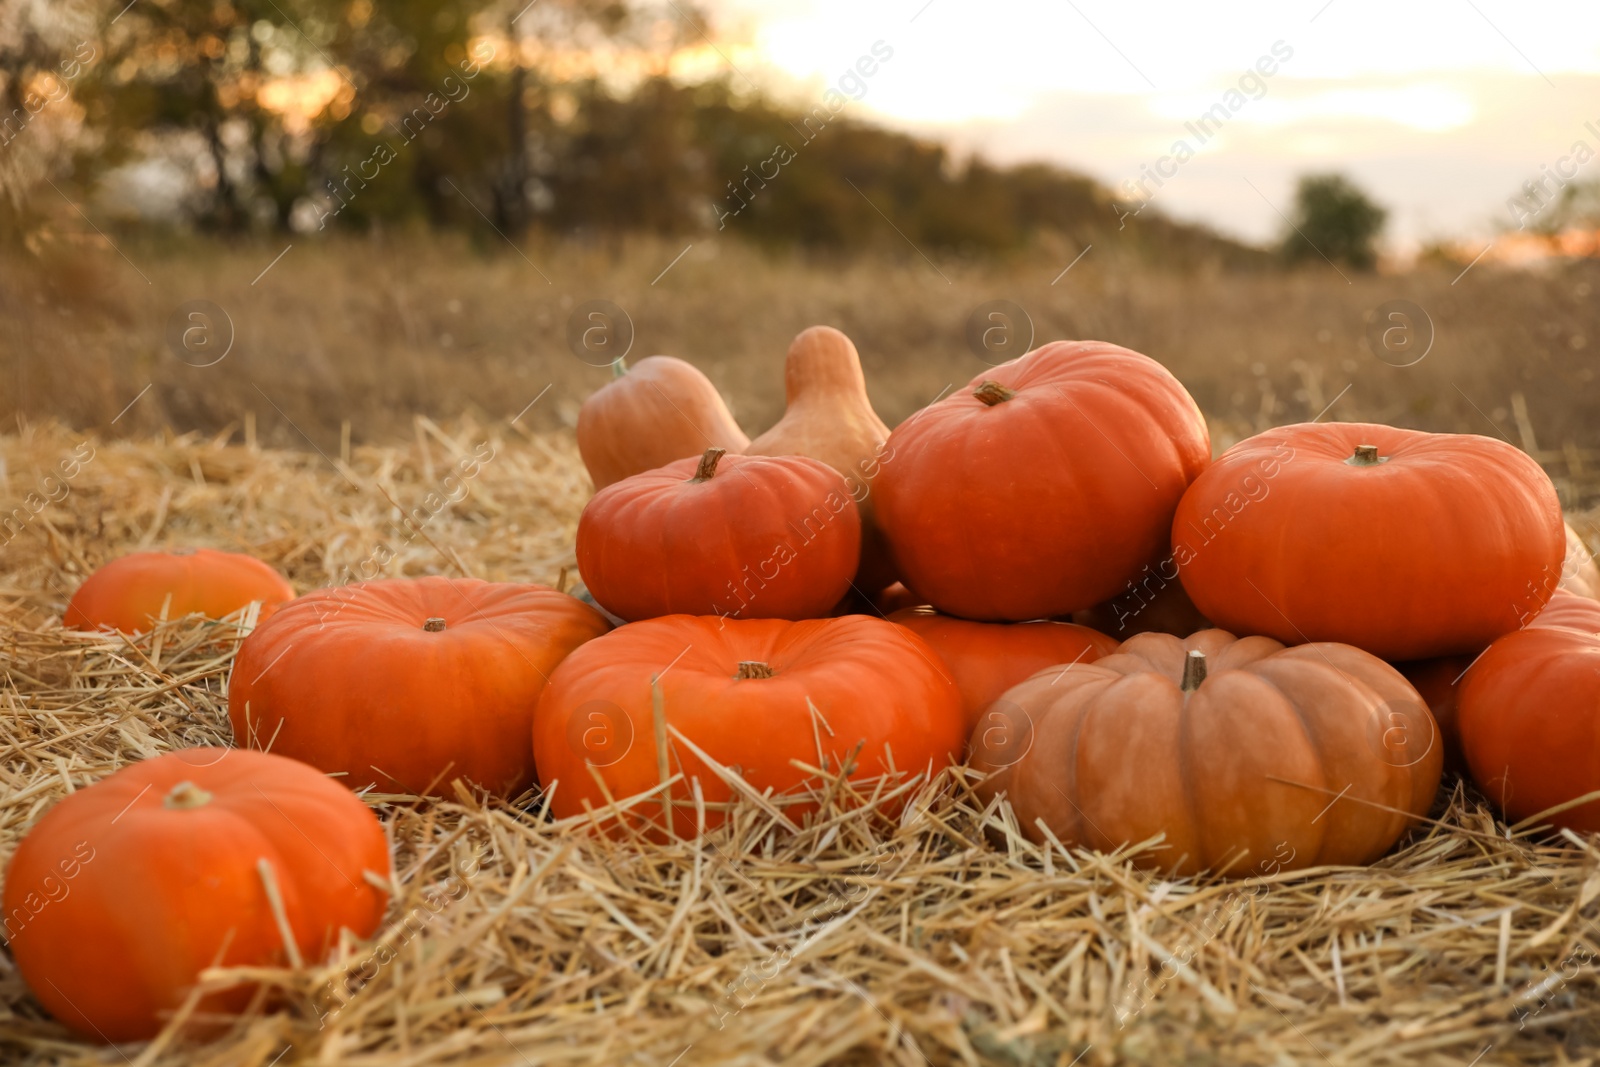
<point x="1154" y="602"/>
<point x="987" y="658"/>
<point x="759" y="695"/>
<point x="1042" y="487"/>
<point x="828" y="417"/>
<point x="1529" y="714"/>
<point x="1438" y="680"/>
<point x="127" y="593"/>
<point x="744" y="536"/>
<point x="407" y="683"/>
<point x="1240" y="751"/>
<point x="1571" y="610"/>
<point x="1579" y="572"/>
<point x="659" y="410"/>
<point x="1403" y="543"/>
<point x="125" y="891"/>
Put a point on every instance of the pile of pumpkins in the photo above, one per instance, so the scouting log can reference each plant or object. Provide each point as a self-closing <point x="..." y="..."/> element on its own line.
<point x="1265" y="658"/>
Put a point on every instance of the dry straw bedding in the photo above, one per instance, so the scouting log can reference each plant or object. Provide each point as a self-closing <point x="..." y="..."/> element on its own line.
<point x="515" y="939"/>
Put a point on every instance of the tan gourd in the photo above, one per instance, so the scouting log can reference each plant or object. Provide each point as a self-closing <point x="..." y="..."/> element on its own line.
<point x="828" y="417"/>
<point x="1579" y="574"/>
<point x="659" y="410"/>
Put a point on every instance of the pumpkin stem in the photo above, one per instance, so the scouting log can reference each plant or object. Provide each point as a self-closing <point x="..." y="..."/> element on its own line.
<point x="754" y="669"/>
<point x="992" y="392"/>
<point x="1366" y="456"/>
<point x="619" y="367"/>
<point x="433" y="625"/>
<point x="1194" y="670"/>
<point x="186" y="796"/>
<point x="708" y="464"/>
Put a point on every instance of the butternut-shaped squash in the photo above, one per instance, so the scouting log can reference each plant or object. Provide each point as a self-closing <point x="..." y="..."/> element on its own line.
<point x="827" y="416"/>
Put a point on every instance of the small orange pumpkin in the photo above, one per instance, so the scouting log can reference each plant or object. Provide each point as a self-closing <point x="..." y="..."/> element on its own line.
<point x="407" y="683"/>
<point x="125" y="891"/>
<point x="751" y="537"/>
<point x="127" y="593"/>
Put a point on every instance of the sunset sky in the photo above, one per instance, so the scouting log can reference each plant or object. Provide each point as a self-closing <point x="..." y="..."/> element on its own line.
<point x="1440" y="108"/>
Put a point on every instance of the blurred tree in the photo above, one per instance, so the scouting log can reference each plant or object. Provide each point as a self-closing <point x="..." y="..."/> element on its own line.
<point x="1578" y="208"/>
<point x="1334" y="218"/>
<point x="44" y="48"/>
<point x="560" y="114"/>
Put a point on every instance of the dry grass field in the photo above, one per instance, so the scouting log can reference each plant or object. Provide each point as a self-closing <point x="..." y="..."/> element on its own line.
<point x="361" y="371"/>
<point x="940" y="936"/>
<point x="365" y="333"/>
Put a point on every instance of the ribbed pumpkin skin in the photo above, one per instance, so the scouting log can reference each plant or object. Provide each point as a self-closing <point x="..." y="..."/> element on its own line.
<point x="1449" y="542"/>
<point x="115" y="902"/>
<point x="1243" y="770"/>
<point x="349" y="680"/>
<point x="126" y="593"/>
<point x="987" y="658"/>
<point x="765" y="537"/>
<point x="1530" y="723"/>
<point x="658" y="410"/>
<point x="871" y="682"/>
<point x="1050" y="501"/>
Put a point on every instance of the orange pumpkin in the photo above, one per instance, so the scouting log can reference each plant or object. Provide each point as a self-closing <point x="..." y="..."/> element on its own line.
<point x="1406" y="544"/>
<point x="124" y="892"/>
<point x="1438" y="680"/>
<point x="987" y="658"/>
<point x="658" y="410"/>
<point x="755" y="694"/>
<point x="127" y="593"/>
<point x="1530" y="724"/>
<point x="750" y="537"/>
<point x="407" y="684"/>
<point x="1569" y="609"/>
<point x="828" y="417"/>
<point x="1240" y="751"/>
<point x="1042" y="487"/>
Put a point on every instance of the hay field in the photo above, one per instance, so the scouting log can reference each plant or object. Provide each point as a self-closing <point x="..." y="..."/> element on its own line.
<point x="860" y="940"/>
<point x="352" y="336"/>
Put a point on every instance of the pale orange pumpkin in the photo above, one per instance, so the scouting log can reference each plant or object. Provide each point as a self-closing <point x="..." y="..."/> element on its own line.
<point x="1240" y="751"/>
<point x="658" y="410"/>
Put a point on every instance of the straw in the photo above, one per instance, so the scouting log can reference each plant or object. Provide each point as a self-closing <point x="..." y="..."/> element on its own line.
<point x="901" y="921"/>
